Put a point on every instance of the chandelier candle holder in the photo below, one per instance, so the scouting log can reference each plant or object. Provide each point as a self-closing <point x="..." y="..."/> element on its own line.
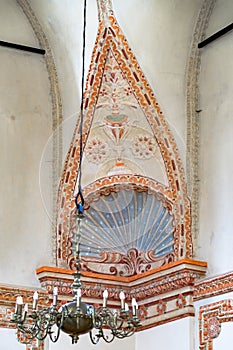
<point x="77" y="317"/>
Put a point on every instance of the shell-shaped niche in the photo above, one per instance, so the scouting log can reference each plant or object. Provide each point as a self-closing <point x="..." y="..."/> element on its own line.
<point x="124" y="219"/>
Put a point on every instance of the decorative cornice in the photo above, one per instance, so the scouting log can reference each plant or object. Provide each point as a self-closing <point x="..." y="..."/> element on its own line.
<point x="213" y="286"/>
<point x="194" y="265"/>
<point x="142" y="291"/>
<point x="8" y="295"/>
<point x="163" y="294"/>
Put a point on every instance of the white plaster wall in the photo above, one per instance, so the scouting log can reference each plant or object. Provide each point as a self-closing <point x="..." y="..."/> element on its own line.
<point x="8" y="340"/>
<point x="25" y="117"/>
<point x="216" y="163"/>
<point x="225" y="338"/>
<point x="62" y="21"/>
<point x="159" y="33"/>
<point x="176" y="335"/>
<point x="84" y="343"/>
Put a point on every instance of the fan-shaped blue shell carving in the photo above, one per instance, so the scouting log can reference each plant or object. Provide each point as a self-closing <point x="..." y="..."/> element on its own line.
<point x="127" y="219"/>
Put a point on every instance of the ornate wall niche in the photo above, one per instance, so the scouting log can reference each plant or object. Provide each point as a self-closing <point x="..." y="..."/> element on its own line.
<point x="211" y="317"/>
<point x="125" y="136"/>
<point x="132" y="223"/>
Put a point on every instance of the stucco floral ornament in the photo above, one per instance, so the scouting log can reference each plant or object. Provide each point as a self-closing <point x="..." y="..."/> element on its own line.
<point x="161" y="307"/>
<point x="181" y="301"/>
<point x="96" y="151"/>
<point x="144" y="147"/>
<point x="143" y="312"/>
<point x="213" y="327"/>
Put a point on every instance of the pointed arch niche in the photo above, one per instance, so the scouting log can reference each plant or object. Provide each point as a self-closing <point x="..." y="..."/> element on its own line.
<point x="136" y="231"/>
<point x="126" y="140"/>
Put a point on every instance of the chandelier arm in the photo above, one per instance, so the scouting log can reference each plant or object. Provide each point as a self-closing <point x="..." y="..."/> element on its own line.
<point x="128" y="330"/>
<point x="94" y="338"/>
<point x="102" y="316"/>
<point x="60" y="318"/>
<point x="97" y="322"/>
<point x="55" y="338"/>
<point x="41" y="338"/>
<point x="107" y="338"/>
<point x="42" y="332"/>
<point x="124" y="333"/>
<point x="30" y="331"/>
<point x="43" y="321"/>
<point x="118" y="322"/>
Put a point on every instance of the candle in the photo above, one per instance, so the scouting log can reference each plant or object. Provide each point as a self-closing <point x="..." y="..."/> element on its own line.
<point x="122" y="298"/>
<point x="79" y="294"/>
<point x="35" y="300"/>
<point x="55" y="293"/>
<point x="126" y="307"/>
<point x="16" y="303"/>
<point x="25" y="311"/>
<point x="105" y="297"/>
<point x="134" y="306"/>
<point x="19" y="305"/>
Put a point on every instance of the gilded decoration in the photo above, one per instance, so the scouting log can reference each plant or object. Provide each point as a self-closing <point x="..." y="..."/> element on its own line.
<point x="126" y="139"/>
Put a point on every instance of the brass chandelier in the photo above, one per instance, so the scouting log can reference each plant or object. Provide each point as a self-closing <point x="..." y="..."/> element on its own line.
<point x="77" y="317"/>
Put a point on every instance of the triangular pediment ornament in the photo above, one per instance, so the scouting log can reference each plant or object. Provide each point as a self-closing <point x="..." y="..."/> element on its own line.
<point x="127" y="141"/>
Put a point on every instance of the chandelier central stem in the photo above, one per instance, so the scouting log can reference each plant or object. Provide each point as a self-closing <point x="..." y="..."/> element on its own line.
<point x="76" y="251"/>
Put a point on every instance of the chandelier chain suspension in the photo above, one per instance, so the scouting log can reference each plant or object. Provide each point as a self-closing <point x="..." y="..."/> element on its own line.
<point x="82" y="101"/>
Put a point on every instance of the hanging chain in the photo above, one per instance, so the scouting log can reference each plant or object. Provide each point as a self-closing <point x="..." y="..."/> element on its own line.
<point x="79" y="200"/>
